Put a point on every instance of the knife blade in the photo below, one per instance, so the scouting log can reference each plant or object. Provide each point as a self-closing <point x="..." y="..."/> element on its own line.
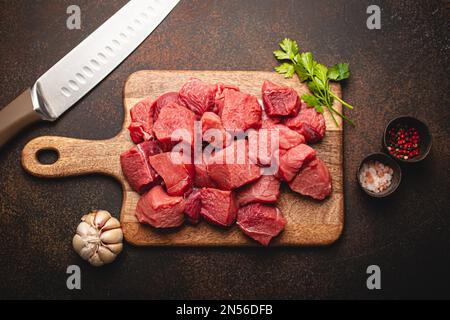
<point x="85" y="66"/>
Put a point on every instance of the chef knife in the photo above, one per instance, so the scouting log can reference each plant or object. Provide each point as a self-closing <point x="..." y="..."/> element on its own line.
<point x="85" y="66"/>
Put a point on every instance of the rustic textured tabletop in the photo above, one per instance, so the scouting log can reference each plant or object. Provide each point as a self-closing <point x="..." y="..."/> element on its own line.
<point x="400" y="69"/>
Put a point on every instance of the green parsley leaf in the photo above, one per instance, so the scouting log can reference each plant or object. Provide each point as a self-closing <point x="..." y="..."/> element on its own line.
<point x="281" y="55"/>
<point x="286" y="68"/>
<point x="319" y="83"/>
<point x="321" y="72"/>
<point x="339" y="72"/>
<point x="299" y="69"/>
<point x="313" y="88"/>
<point x="312" y="101"/>
<point x="319" y="109"/>
<point x="307" y="61"/>
<point x="290" y="47"/>
<point x="301" y="73"/>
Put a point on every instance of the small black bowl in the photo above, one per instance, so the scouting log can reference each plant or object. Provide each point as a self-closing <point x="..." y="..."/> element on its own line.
<point x="424" y="134"/>
<point x="396" y="176"/>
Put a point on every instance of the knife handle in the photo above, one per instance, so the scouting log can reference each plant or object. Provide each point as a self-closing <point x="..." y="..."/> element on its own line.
<point x="16" y="116"/>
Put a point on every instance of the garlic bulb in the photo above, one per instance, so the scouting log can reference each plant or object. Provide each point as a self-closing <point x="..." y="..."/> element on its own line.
<point x="98" y="238"/>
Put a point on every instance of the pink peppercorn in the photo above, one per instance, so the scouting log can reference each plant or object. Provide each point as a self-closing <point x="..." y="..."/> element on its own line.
<point x="403" y="142"/>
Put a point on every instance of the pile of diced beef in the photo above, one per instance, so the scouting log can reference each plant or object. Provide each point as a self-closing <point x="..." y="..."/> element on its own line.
<point x="175" y="189"/>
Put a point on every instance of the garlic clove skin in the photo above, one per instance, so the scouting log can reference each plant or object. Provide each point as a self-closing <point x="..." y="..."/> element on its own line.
<point x="115" y="247"/>
<point x="112" y="223"/>
<point x="85" y="229"/>
<point x="105" y="255"/>
<point x="98" y="238"/>
<point x="80" y="246"/>
<point x="101" y="218"/>
<point x="112" y="236"/>
<point x="89" y="218"/>
<point x="88" y="251"/>
<point x="95" y="260"/>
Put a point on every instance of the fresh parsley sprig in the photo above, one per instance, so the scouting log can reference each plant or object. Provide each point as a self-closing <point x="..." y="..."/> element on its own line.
<point x="316" y="75"/>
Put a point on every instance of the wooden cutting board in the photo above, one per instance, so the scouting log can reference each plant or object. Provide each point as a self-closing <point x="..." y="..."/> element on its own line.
<point x="309" y="222"/>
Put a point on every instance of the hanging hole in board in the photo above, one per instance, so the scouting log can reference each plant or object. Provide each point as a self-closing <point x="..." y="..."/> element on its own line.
<point x="47" y="156"/>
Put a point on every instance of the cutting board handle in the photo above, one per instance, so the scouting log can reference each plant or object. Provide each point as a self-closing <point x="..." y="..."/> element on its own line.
<point x="75" y="156"/>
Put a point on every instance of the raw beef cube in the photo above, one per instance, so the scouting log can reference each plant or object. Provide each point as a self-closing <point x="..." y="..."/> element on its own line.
<point x="260" y="222"/>
<point x="174" y="119"/>
<point x="270" y="121"/>
<point x="193" y="206"/>
<point x="263" y="146"/>
<point x="202" y="179"/>
<point x="177" y="173"/>
<point x="160" y="210"/>
<point x="149" y="148"/>
<point x="136" y="168"/>
<point x="220" y="96"/>
<point x="279" y="100"/>
<point x="288" y="138"/>
<point x="218" y="206"/>
<point x="142" y="111"/>
<point x="241" y="111"/>
<point x="231" y="167"/>
<point x="137" y="133"/>
<point x="266" y="189"/>
<point x="197" y="96"/>
<point x="261" y="142"/>
<point x="272" y="139"/>
<point x="165" y="100"/>
<point x="213" y="131"/>
<point x="313" y="180"/>
<point x="276" y="171"/>
<point x="309" y="123"/>
<point x="142" y="121"/>
<point x="292" y="161"/>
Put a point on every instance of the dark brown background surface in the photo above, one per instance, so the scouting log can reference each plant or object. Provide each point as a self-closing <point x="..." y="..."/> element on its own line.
<point x="401" y="69"/>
